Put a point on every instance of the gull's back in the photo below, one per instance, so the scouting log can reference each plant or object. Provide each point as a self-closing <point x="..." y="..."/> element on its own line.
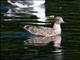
<point x="40" y="30"/>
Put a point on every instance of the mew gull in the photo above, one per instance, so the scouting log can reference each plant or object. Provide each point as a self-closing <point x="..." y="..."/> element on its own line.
<point x="47" y="31"/>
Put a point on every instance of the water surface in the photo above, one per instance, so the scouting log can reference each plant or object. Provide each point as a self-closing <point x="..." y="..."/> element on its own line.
<point x="13" y="36"/>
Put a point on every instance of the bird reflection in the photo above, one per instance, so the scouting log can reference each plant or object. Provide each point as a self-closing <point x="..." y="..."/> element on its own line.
<point x="55" y="41"/>
<point x="56" y="54"/>
<point x="53" y="55"/>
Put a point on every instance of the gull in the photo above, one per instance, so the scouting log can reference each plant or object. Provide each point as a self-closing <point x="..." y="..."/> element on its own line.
<point x="46" y="31"/>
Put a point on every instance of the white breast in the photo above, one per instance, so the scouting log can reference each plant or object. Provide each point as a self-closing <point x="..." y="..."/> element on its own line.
<point x="57" y="28"/>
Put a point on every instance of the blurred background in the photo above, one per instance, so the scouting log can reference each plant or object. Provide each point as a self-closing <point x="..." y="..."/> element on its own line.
<point x="13" y="35"/>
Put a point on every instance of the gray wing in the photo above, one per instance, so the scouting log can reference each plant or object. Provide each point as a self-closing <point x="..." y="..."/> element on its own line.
<point x="32" y="29"/>
<point x="39" y="30"/>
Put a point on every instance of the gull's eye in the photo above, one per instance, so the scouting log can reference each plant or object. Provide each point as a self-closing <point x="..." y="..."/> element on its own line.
<point x="57" y="19"/>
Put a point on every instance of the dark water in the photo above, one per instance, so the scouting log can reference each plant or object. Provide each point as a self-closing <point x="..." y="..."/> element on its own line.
<point x="13" y="36"/>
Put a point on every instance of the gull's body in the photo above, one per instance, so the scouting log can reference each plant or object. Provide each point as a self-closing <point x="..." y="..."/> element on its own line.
<point x="46" y="31"/>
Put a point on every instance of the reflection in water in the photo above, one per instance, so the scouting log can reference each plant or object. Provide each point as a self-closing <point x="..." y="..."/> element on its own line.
<point x="10" y="34"/>
<point x="54" y="56"/>
<point x="46" y="54"/>
<point x="27" y="8"/>
<point x="58" y="56"/>
<point x="40" y="40"/>
<point x="43" y="48"/>
<point x="41" y="51"/>
<point x="40" y="9"/>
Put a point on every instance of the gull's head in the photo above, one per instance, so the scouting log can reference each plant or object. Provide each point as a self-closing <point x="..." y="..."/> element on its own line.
<point x="58" y="20"/>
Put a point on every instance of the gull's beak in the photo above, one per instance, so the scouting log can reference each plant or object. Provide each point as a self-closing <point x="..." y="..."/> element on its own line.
<point x="63" y="22"/>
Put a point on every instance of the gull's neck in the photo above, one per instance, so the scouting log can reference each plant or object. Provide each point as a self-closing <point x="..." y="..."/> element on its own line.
<point x="57" y="28"/>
